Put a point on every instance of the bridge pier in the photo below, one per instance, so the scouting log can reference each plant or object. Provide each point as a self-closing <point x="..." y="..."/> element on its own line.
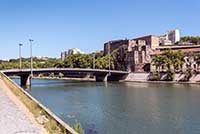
<point x="107" y="77"/>
<point x="25" y="80"/>
<point x="101" y="77"/>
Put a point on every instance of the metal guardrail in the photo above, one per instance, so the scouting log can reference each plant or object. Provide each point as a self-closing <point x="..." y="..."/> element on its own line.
<point x="64" y="69"/>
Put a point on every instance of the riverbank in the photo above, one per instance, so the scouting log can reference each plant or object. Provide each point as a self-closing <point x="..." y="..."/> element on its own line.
<point x="42" y="115"/>
<point x="161" y="82"/>
<point x="137" y="79"/>
<point x="143" y="78"/>
<point x="15" y="117"/>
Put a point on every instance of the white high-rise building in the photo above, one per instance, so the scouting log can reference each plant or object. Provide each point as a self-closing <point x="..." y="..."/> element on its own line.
<point x="170" y="38"/>
<point x="63" y="55"/>
<point x="174" y="36"/>
<point x="74" y="51"/>
<point x="70" y="52"/>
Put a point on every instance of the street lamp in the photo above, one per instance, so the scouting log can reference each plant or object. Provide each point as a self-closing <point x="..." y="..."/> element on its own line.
<point x="93" y="60"/>
<point x="20" y="56"/>
<point x="31" y="57"/>
<point x="109" y="57"/>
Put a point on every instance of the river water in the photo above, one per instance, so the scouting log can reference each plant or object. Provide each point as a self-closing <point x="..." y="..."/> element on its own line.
<point x="123" y="108"/>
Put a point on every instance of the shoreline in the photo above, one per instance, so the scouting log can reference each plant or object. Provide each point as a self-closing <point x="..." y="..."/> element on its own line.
<point x="134" y="81"/>
<point x="161" y="82"/>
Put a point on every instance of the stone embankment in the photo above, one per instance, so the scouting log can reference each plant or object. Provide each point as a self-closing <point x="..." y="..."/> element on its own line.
<point x="137" y="77"/>
<point x="143" y="77"/>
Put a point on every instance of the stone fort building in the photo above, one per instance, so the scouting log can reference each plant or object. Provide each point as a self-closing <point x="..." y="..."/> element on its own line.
<point x="142" y="49"/>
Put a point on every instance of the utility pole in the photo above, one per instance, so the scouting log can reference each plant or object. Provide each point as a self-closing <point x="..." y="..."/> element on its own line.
<point x="31" y="57"/>
<point x="20" y="56"/>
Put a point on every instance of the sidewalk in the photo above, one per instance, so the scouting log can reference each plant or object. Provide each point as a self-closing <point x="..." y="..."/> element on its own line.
<point x="14" y="117"/>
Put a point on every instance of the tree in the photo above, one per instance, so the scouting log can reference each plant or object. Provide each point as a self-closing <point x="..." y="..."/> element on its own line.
<point x="191" y="39"/>
<point x="79" y="61"/>
<point x="59" y="64"/>
<point x="120" y="58"/>
<point x="197" y="59"/>
<point x="177" y="60"/>
<point x="103" y="62"/>
<point x="174" y="59"/>
<point x="169" y="61"/>
<point x="159" y="61"/>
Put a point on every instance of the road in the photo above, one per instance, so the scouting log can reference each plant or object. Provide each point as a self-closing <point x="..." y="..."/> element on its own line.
<point x="14" y="116"/>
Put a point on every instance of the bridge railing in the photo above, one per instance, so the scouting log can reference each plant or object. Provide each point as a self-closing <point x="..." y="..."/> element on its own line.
<point x="63" y="69"/>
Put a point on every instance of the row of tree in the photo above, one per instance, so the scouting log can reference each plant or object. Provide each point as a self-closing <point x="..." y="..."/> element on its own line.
<point x="191" y="39"/>
<point x="14" y="64"/>
<point x="172" y="62"/>
<point x="118" y="61"/>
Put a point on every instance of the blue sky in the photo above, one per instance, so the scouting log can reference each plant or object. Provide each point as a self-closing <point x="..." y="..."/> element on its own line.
<point x="57" y="25"/>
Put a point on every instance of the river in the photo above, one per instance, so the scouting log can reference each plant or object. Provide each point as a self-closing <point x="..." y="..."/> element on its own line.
<point x="123" y="108"/>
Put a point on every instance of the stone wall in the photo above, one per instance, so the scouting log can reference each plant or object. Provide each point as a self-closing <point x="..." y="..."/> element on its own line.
<point x="143" y="77"/>
<point x="137" y="77"/>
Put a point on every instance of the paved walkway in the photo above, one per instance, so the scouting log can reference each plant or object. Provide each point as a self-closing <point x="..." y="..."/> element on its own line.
<point x="13" y="119"/>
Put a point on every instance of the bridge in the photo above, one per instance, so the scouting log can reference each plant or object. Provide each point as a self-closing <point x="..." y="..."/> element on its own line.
<point x="100" y="74"/>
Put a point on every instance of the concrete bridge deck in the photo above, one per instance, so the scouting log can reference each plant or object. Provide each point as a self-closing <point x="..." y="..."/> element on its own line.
<point x="100" y="74"/>
<point x="47" y="70"/>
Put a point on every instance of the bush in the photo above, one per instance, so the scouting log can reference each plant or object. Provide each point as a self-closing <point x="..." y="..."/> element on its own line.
<point x="78" y="128"/>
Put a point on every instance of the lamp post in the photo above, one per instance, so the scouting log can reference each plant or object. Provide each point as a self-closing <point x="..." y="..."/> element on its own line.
<point x="20" y="56"/>
<point x="93" y="60"/>
<point x="109" y="58"/>
<point x="31" y="57"/>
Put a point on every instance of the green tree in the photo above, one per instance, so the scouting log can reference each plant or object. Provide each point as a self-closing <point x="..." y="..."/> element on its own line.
<point x="197" y="59"/>
<point x="103" y="62"/>
<point x="120" y="58"/>
<point x="177" y="60"/>
<point x="191" y="39"/>
<point x="79" y="61"/>
<point x="159" y="61"/>
<point x="59" y="64"/>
